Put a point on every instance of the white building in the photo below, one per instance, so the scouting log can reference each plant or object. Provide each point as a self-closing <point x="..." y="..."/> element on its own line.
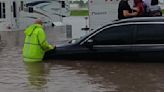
<point x="74" y="6"/>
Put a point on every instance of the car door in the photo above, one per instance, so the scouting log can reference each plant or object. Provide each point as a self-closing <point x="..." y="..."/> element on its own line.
<point x="114" y="40"/>
<point x="149" y="40"/>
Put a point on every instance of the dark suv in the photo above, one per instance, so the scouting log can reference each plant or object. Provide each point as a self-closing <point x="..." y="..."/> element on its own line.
<point x="129" y="37"/>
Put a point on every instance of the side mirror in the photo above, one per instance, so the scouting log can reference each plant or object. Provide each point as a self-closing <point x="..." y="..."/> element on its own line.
<point x="89" y="43"/>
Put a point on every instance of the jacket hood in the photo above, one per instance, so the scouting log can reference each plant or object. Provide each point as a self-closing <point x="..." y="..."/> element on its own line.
<point x="31" y="28"/>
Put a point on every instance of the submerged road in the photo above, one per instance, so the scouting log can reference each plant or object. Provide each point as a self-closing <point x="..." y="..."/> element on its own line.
<point x="77" y="75"/>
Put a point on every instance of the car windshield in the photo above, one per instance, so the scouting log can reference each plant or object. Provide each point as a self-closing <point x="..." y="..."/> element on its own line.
<point x="82" y="37"/>
<point x="75" y="40"/>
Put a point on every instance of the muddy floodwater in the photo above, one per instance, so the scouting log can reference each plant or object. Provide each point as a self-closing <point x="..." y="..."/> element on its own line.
<point x="77" y="75"/>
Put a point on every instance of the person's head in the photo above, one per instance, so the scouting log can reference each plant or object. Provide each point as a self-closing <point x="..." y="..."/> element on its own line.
<point x="39" y="21"/>
<point x="137" y="2"/>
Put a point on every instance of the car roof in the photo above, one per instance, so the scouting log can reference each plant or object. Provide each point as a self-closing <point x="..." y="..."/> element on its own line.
<point x="136" y="19"/>
<point x="131" y="20"/>
<point x="140" y="19"/>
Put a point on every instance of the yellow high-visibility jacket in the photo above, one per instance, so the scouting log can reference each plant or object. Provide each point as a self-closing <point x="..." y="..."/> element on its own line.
<point x="35" y="44"/>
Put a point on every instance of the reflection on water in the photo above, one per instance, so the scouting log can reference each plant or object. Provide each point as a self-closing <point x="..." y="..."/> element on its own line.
<point x="77" y="76"/>
<point x="37" y="73"/>
<point x="121" y="77"/>
<point x="50" y="77"/>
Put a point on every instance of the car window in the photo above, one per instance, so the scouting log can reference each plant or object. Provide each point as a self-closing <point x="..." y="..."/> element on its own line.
<point x="150" y="34"/>
<point x="117" y="35"/>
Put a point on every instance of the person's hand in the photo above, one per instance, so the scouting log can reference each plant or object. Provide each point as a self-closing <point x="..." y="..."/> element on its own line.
<point x="135" y="9"/>
<point x="134" y="13"/>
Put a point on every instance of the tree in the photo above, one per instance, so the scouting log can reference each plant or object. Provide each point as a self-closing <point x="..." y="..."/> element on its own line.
<point x="81" y="3"/>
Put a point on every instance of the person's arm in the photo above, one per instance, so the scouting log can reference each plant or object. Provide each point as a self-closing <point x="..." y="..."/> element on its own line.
<point x="136" y="9"/>
<point x="126" y="10"/>
<point x="43" y="41"/>
<point x="127" y="14"/>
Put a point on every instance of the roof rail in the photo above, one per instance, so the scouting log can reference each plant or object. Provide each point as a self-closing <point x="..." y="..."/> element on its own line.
<point x="140" y="19"/>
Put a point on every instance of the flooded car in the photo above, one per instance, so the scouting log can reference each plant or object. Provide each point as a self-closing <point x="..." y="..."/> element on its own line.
<point x="141" y="37"/>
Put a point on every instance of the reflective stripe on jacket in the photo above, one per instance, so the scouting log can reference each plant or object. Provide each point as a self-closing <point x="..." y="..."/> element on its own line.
<point x="35" y="44"/>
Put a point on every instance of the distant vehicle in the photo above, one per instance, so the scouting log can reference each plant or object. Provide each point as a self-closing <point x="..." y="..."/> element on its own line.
<point x="128" y="37"/>
<point x="102" y="12"/>
<point x="57" y="24"/>
<point x="18" y="14"/>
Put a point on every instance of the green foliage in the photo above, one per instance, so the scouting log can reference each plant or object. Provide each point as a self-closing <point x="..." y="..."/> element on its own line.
<point x="79" y="13"/>
<point x="162" y="11"/>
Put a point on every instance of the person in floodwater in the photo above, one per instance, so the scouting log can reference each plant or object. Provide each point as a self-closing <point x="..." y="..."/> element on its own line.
<point x="125" y="11"/>
<point x="35" y="44"/>
<point x="37" y="75"/>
